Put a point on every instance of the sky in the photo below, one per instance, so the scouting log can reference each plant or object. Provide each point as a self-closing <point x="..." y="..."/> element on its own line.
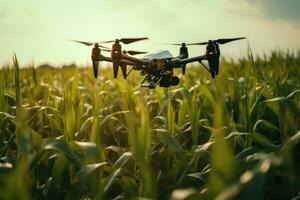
<point x="40" y="31"/>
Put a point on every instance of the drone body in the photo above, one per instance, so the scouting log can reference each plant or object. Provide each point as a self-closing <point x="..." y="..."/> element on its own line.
<point x="157" y="68"/>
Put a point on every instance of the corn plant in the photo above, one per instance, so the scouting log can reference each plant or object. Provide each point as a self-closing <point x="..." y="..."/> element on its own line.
<point x="65" y="135"/>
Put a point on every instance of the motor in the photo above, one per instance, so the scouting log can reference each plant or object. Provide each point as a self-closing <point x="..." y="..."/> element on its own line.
<point x="212" y="55"/>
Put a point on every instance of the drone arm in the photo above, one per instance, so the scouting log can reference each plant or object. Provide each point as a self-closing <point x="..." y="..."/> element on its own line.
<point x="122" y="61"/>
<point x="190" y="60"/>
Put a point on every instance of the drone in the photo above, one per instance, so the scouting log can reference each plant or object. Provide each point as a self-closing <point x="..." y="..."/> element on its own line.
<point x="156" y="68"/>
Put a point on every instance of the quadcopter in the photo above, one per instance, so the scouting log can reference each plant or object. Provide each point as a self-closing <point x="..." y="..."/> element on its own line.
<point x="156" y="68"/>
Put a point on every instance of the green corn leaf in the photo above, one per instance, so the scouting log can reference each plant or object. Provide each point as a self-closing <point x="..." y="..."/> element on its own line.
<point x="122" y="160"/>
<point x="62" y="147"/>
<point x="90" y="151"/>
<point x="166" y="138"/>
<point x="86" y="171"/>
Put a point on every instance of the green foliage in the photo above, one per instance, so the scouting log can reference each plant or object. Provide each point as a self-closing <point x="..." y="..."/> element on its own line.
<point x="65" y="135"/>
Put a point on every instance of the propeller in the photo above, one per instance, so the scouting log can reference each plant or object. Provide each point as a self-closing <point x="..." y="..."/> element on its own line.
<point x="219" y="41"/>
<point x="126" y="40"/>
<point x="116" y="63"/>
<point x="90" y="43"/>
<point x="97" y="48"/>
<point x="175" y="44"/>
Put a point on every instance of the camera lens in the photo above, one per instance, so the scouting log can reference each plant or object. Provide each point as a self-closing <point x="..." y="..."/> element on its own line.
<point x="174" y="80"/>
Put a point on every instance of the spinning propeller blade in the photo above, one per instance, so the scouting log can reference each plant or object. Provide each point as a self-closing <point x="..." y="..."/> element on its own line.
<point x="176" y="44"/>
<point x="197" y="43"/>
<point x="89" y="43"/>
<point x="126" y="40"/>
<point x="219" y="41"/>
<point x="82" y="42"/>
<point x="131" y="40"/>
<point x="223" y="41"/>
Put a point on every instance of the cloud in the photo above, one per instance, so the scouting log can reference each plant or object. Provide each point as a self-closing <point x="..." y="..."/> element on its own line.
<point x="279" y="10"/>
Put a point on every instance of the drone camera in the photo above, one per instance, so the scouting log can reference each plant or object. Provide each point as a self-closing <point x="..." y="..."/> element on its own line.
<point x="174" y="80"/>
<point x="168" y="80"/>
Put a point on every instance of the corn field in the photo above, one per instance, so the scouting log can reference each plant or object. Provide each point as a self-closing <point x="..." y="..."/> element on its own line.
<point x="66" y="135"/>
